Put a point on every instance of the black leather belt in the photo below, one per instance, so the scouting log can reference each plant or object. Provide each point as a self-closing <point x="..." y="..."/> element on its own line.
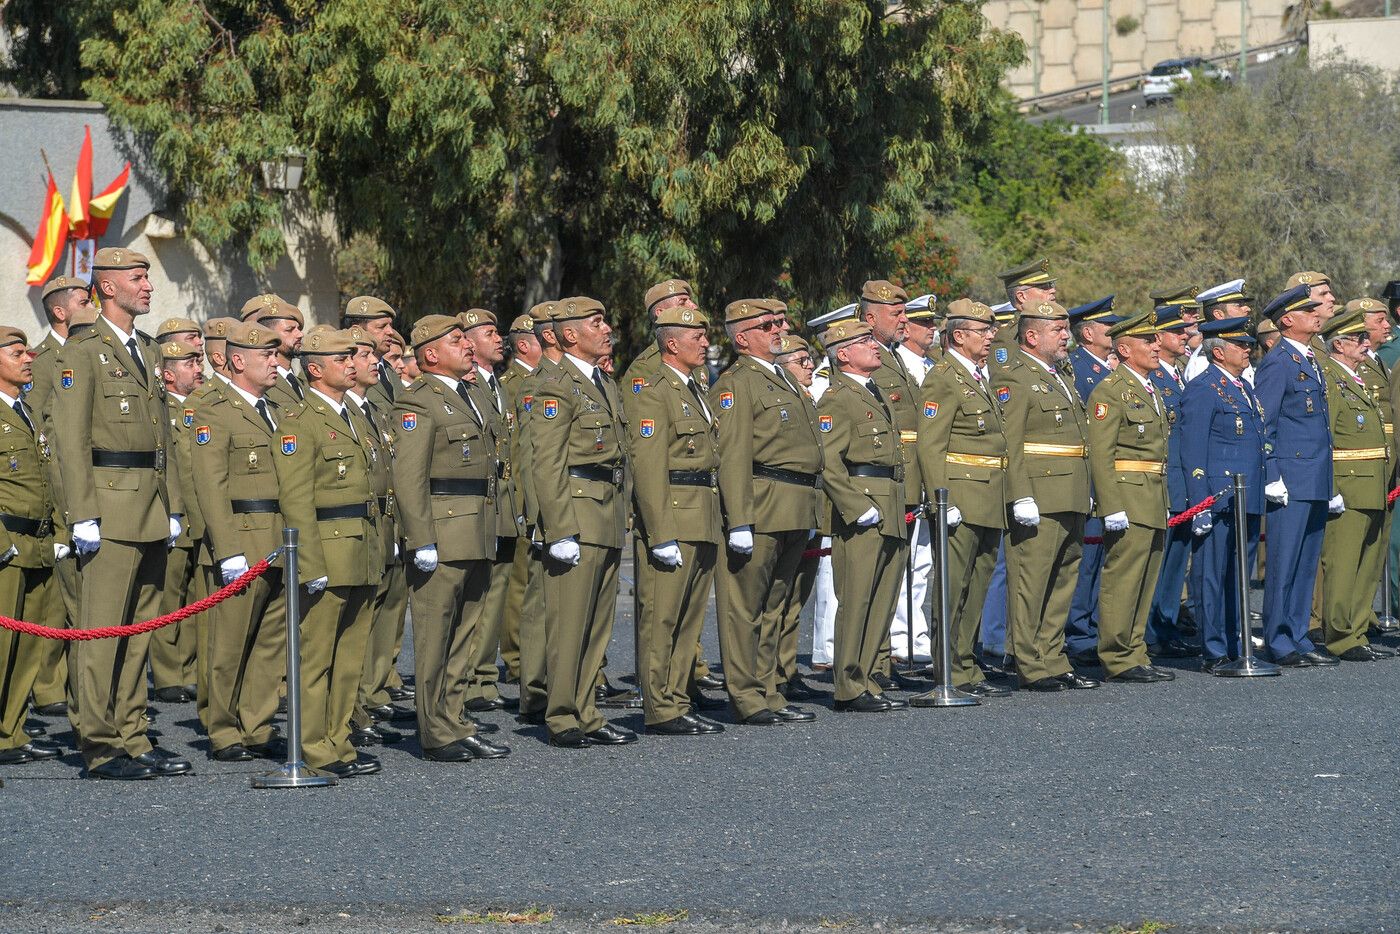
<point x="796" y="477"/>
<point x="352" y="511"/>
<point x="693" y="477"/>
<point x="123" y="458"/>
<point x="600" y="472"/>
<point x="23" y="526"/>
<point x="449" y="487"/>
<point x="255" y="505"/>
<point x="874" y="470"/>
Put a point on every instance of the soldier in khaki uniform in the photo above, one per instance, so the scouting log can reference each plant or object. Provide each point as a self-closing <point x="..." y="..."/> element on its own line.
<point x="69" y="309"/>
<point x="770" y="490"/>
<point x="1373" y="370"/>
<point x="962" y="448"/>
<point x="525" y="357"/>
<point x="236" y="442"/>
<point x="579" y="460"/>
<point x="676" y="453"/>
<point x="286" y="319"/>
<point x="325" y="482"/>
<point x="445" y="475"/>
<point x="1363" y="469"/>
<point x="173" y="647"/>
<point x="863" y="475"/>
<point x="375" y="317"/>
<point x="1047" y="479"/>
<point x="26" y="548"/>
<point x="112" y="440"/>
<point x="183" y="330"/>
<point x="1127" y="461"/>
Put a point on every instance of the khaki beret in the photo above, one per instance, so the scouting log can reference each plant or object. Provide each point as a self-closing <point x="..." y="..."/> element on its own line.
<point x="523" y="324"/>
<point x="1365" y="305"/>
<point x="178" y="350"/>
<point x="682" y="318"/>
<point x="1341" y="325"/>
<point x="475" y="318"/>
<point x="327" y="343"/>
<point x="59" y="283"/>
<point x="367" y="308"/>
<point x="430" y="327"/>
<point x="177" y="326"/>
<point x="252" y="335"/>
<point x="12" y="335"/>
<point x="1183" y="295"/>
<point x="791" y="343"/>
<point x="1045" y="311"/>
<point x="882" y="292"/>
<point x="843" y="332"/>
<point x="216" y="329"/>
<point x="1266" y="326"/>
<point x="1143" y="325"/>
<point x="363" y="338"/>
<point x="117" y="257"/>
<point x="664" y="290"/>
<point x="541" y="312"/>
<point x="396" y="338"/>
<point x="1309" y="279"/>
<point x="746" y="308"/>
<point x="969" y="310"/>
<point x="576" y="308"/>
<point x="1036" y="272"/>
<point x="271" y="307"/>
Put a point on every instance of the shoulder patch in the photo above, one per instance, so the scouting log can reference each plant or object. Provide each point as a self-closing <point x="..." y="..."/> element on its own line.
<point x="1003" y="394"/>
<point x="930" y="409"/>
<point x="189" y="417"/>
<point x="647" y="427"/>
<point x="409" y="421"/>
<point x="550" y="408"/>
<point x="824" y="422"/>
<point x="1002" y="355"/>
<point x="289" y="444"/>
<point x="1101" y="410"/>
<point x="638" y="384"/>
<point x="527" y="402"/>
<point x="65" y="379"/>
<point x="201" y="434"/>
<point x="726" y="400"/>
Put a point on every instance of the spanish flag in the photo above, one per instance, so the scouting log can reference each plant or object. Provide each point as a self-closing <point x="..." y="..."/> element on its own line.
<point x="104" y="203"/>
<point x="82" y="188"/>
<point x="50" y="239"/>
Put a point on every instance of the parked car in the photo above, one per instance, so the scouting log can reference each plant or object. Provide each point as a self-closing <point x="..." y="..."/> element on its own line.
<point x="1161" y="83"/>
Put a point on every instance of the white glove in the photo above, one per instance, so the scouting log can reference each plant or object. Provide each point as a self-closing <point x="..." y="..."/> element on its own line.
<point x="1202" y="524"/>
<point x="868" y="518"/>
<point x="318" y="585"/>
<point x="1118" y="522"/>
<point x="741" y="540"/>
<point x="668" y="553"/>
<point x="1336" y="505"/>
<point x="175" y="528"/>
<point x="87" y="537"/>
<point x="10" y="554"/>
<point x="1026" y="512"/>
<point x="233" y="568"/>
<point x="565" y="550"/>
<point x="396" y="551"/>
<point x="425" y="559"/>
<point x="1276" y="492"/>
<point x="61" y="551"/>
<point x="954" y="517"/>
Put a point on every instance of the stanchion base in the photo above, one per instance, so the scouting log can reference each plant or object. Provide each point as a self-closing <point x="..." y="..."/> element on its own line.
<point x="909" y="680"/>
<point x="294" y="775"/>
<point x="944" y="696"/>
<point x="1247" y="668"/>
<point x="1387" y="623"/>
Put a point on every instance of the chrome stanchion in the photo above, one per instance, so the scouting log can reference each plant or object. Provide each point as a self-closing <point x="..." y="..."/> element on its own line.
<point x="944" y="694"/>
<point x="909" y="666"/>
<point x="295" y="773"/>
<point x="1246" y="666"/>
<point x="1385" y="620"/>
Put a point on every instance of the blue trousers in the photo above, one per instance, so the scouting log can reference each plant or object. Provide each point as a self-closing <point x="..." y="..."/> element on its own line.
<point x="994" y="610"/>
<point x="1082" y="627"/>
<point x="1295" y="548"/>
<point x="1166" y="599"/>
<point x="1215" y="556"/>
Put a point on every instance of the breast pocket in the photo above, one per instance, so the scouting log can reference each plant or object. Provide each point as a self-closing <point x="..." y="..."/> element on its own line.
<point x="465" y="444"/>
<point x="594" y="431"/>
<point x="118" y="402"/>
<point x="336" y="466"/>
<point x="780" y="413"/>
<point x="872" y="439"/>
<point x="251" y="455"/>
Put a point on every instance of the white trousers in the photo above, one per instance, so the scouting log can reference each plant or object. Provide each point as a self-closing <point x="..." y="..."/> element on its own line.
<point x="899" y="628"/>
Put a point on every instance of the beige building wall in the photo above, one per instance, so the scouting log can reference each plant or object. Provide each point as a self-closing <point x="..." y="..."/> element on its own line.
<point x="1372" y="41"/>
<point x="1064" y="39"/>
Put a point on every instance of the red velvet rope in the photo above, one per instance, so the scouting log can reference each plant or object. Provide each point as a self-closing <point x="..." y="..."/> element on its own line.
<point x="1391" y="496"/>
<point x="1191" y="513"/>
<point x="136" y="629"/>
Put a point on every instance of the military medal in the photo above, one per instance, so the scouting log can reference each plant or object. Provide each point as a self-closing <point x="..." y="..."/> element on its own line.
<point x="340" y="471"/>
<point x="1360" y="421"/>
<point x="1142" y="429"/>
<point x="14" y="463"/>
<point x="981" y="424"/>
<point x="598" y="440"/>
<point x="1059" y="419"/>
<point x="466" y="452"/>
<point x="447" y="408"/>
<point x="1308" y="404"/>
<point x="253" y="459"/>
<point x="1239" y="425"/>
<point x="102" y="359"/>
<point x="124" y="406"/>
<point x="782" y="415"/>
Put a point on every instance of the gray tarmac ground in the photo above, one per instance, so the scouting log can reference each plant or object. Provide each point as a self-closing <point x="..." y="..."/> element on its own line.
<point x="1203" y="804"/>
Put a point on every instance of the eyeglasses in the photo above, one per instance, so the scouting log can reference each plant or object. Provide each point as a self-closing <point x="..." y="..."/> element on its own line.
<point x="803" y="360"/>
<point x="981" y="330"/>
<point x="770" y="325"/>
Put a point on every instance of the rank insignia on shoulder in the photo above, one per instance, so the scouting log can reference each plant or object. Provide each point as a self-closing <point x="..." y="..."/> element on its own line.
<point x="638" y="384"/>
<point x="1001" y="355"/>
<point x="1003" y="394"/>
<point x="824" y="422"/>
<point x="550" y="408"/>
<point x="1198" y="473"/>
<point x="409" y="421"/>
<point x="726" y="400"/>
<point x="189" y="417"/>
<point x="647" y="426"/>
<point x="289" y="444"/>
<point x="527" y="402"/>
<point x="930" y="409"/>
<point x="201" y="434"/>
<point x="1101" y="410"/>
<point x="65" y="379"/>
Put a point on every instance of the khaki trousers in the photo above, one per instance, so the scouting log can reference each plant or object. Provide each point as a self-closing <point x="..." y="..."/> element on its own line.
<point x="1132" y="559"/>
<point x="667" y="635"/>
<point x="51" y="679"/>
<point x="447" y="605"/>
<point x="247" y="650"/>
<point x="1353" y="553"/>
<point x="515" y="604"/>
<point x="868" y="568"/>
<point x="580" y="601"/>
<point x="534" y="691"/>
<point x="173" y="647"/>
<point x="972" y="556"/>
<point x="25" y="593"/>
<point x="486" y="641"/>
<point x="382" y="648"/>
<point x="334" y="630"/>
<point x="752" y="591"/>
<point x="1042" y="570"/>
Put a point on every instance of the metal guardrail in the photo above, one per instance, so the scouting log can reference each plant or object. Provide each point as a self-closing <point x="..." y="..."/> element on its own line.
<point x="1093" y="89"/>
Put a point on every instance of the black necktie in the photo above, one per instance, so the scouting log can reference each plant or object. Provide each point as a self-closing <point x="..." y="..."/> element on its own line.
<point x="598" y="381"/>
<point x="19" y="410"/>
<point x="138" y="368"/>
<point x="875" y="391"/>
<point x="385" y="381"/>
<point x="262" y="410"/>
<point x="369" y="416"/>
<point x="345" y="414"/>
<point x="495" y="385"/>
<point x="462" y="391"/>
<point x="296" y="385"/>
<point x="695" y="391"/>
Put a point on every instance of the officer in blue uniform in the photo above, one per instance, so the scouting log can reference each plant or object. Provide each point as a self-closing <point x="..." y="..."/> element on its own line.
<point x="1088" y="325"/>
<point x="1164" y="637"/>
<point x="1222" y="434"/>
<point x="1298" y="476"/>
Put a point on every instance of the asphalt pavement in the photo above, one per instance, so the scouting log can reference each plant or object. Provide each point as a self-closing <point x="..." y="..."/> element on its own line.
<point x="1205" y="804"/>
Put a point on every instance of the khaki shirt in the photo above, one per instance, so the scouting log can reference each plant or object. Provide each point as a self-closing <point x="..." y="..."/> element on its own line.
<point x="25" y="466"/>
<point x="901" y="391"/>
<point x="670" y="433"/>
<point x="962" y="446"/>
<point x="500" y="423"/>
<point x="1045" y="425"/>
<point x="234" y="455"/>
<point x="181" y="416"/>
<point x="522" y="455"/>
<point x="1358" y="435"/>
<point x="859" y="430"/>
<point x="1128" y="450"/>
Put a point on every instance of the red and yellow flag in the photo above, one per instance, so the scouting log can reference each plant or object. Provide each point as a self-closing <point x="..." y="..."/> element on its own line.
<point x="50" y="239"/>
<point x="82" y="188"/>
<point x="104" y="203"/>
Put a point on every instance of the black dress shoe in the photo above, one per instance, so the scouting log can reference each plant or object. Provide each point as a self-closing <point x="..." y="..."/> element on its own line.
<point x="391" y="712"/>
<point x="481" y="725"/>
<point x="56" y="709"/>
<point x="366" y="765"/>
<point x="35" y="729"/>
<point x="1292" y="660"/>
<point x="1317" y="636"/>
<point x="402" y="694"/>
<point x="984" y="689"/>
<point x="894" y="702"/>
<point x="15" y="756"/>
<point x="711" y="682"/>
<point x="1048" y="685"/>
<point x="609" y="735"/>
<point x="1381" y="651"/>
<point x="1211" y="665"/>
<point x="466" y="749"/>
<point x="452" y="752"/>
<point x="1138" y="674"/>
<point x="699" y="701"/>
<point x="164" y="762"/>
<point x="569" y="739"/>
<point x="797" y="689"/>
<point x="373" y="736"/>
<point x="1359" y="653"/>
<point x="122" y="769"/>
<point x="1086" y="659"/>
<point x="863" y="703"/>
<point x="485" y="704"/>
<point x="236" y="752"/>
<point x="1162" y="674"/>
<point x="884" y="682"/>
<point x="702" y="725"/>
<point x="533" y="719"/>
<point x="791" y="714"/>
<point x="1173" y="648"/>
<point x="1321" y="658"/>
<point x="175" y="695"/>
<point x="1075" y="681"/>
<point x="762" y="718"/>
<point x="44" y="748"/>
<point x="677" y="726"/>
<point x="274" y="749"/>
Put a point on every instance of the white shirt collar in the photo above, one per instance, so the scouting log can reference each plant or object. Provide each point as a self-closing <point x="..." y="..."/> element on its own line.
<point x="58" y="337"/>
<point x="174" y="395"/>
<point x="283" y="371"/>
<point x="524" y="366"/>
<point x="966" y="363"/>
<point x="447" y="381"/>
<point x="1094" y="357"/>
<point x="1146" y="383"/>
<point x="247" y="396"/>
<point x="1234" y="380"/>
<point x="1170" y="368"/>
<point x="585" y="368"/>
<point x="484" y="375"/>
<point x="355" y="397"/>
<point x="1349" y="371"/>
<point x="8" y="399"/>
<point x="1304" y="349"/>
<point x="120" y="333"/>
<point x="684" y="377"/>
<point x="765" y="363"/>
<point x="337" y="406"/>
